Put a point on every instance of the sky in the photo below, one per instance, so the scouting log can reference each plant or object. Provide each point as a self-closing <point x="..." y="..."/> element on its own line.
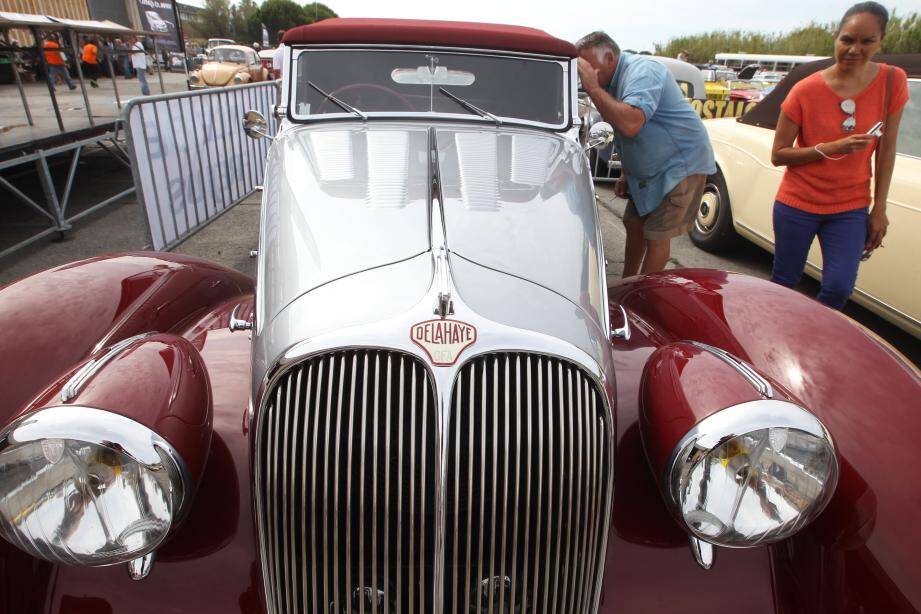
<point x="637" y="24"/>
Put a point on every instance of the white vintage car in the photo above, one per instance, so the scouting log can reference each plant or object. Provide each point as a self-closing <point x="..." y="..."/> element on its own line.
<point x="738" y="200"/>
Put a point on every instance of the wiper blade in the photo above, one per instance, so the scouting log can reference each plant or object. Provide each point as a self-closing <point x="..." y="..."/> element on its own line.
<point x="342" y="105"/>
<point x="470" y="106"/>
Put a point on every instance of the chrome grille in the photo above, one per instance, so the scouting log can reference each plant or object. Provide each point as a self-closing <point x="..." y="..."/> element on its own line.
<point x="528" y="487"/>
<point x="345" y="481"/>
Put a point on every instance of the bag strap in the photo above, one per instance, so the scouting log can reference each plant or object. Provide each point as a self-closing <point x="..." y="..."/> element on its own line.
<point x="888" y="93"/>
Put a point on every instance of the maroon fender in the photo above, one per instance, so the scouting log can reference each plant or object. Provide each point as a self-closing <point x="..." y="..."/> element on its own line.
<point x="861" y="554"/>
<point x="77" y="309"/>
<point x="683" y="384"/>
<point x="159" y="381"/>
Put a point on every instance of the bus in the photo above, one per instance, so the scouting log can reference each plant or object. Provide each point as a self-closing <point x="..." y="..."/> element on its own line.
<point x="767" y="61"/>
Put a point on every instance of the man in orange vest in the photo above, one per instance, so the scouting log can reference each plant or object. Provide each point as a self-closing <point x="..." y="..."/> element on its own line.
<point x="56" y="65"/>
<point x="90" y="57"/>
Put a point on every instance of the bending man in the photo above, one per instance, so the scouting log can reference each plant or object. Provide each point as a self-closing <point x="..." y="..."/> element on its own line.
<point x="662" y="142"/>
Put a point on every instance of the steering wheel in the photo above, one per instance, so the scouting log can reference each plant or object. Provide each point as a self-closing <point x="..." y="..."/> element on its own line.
<point x="365" y="86"/>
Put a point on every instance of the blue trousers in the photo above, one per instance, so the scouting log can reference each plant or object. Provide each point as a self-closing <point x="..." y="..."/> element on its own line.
<point x="842" y="237"/>
<point x="57" y="69"/>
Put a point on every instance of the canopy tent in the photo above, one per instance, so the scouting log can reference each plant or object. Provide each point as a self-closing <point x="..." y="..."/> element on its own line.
<point x="72" y="27"/>
<point x="766" y="113"/>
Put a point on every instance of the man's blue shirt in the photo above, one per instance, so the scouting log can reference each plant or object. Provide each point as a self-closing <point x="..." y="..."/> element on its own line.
<point x="671" y="145"/>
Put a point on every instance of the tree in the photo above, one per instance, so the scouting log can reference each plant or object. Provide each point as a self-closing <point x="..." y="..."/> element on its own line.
<point x="245" y="23"/>
<point x="317" y="11"/>
<point x="281" y="15"/>
<point x="903" y="36"/>
<point x="214" y="19"/>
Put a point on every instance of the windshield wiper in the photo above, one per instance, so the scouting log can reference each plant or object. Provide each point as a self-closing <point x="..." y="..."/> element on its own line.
<point x="342" y="105"/>
<point x="470" y="106"/>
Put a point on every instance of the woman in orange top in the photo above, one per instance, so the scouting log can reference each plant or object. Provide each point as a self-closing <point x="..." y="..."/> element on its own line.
<point x="825" y="190"/>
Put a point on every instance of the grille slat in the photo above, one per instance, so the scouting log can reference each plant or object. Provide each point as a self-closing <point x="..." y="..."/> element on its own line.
<point x="347" y="495"/>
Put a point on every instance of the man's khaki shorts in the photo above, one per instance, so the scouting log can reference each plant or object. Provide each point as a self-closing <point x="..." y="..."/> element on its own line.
<point x="674" y="216"/>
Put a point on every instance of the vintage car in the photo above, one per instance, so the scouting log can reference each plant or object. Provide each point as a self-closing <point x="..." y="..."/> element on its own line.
<point x="737" y="202"/>
<point x="428" y="400"/>
<point x="228" y="65"/>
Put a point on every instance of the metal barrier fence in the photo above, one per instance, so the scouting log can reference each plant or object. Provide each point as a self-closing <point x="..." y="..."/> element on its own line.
<point x="191" y="158"/>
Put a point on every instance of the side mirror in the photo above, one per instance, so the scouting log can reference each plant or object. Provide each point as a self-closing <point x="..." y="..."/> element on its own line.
<point x="254" y="125"/>
<point x="599" y="135"/>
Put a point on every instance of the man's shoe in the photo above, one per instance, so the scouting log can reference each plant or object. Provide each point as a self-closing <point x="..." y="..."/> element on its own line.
<point x="94" y="84"/>
<point x="73" y="87"/>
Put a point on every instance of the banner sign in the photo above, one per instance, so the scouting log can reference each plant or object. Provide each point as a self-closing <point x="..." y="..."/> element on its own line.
<point x="160" y="16"/>
<point x="715" y="109"/>
<point x="191" y="159"/>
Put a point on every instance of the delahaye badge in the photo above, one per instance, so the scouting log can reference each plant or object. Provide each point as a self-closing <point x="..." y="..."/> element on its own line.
<point x="443" y="340"/>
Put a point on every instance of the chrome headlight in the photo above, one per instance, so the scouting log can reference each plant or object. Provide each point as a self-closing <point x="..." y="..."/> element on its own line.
<point x="238" y="79"/>
<point x="752" y="474"/>
<point x="193" y="78"/>
<point x="87" y="487"/>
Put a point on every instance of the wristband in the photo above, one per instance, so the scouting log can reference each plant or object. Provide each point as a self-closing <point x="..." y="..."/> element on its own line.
<point x="824" y="155"/>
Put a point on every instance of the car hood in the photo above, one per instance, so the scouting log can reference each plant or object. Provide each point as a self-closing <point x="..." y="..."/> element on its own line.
<point x="346" y="199"/>
<point x="219" y="73"/>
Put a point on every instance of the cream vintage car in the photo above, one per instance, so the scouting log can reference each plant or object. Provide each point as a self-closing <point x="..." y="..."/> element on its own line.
<point x="229" y="65"/>
<point x="738" y="200"/>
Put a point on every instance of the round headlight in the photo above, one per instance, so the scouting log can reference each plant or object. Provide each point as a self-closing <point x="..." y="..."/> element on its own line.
<point x="752" y="474"/>
<point x="87" y="487"/>
<point x="238" y="79"/>
<point x="194" y="78"/>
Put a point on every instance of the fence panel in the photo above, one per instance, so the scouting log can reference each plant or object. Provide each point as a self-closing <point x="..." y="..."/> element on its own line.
<point x="191" y="159"/>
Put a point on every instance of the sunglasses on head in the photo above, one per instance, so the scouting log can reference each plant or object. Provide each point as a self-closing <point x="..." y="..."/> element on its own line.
<point x="850" y="108"/>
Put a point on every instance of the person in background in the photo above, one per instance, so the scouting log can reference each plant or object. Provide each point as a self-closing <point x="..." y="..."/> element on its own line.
<point x="822" y="139"/>
<point x="56" y="65"/>
<point x="662" y="142"/>
<point x="278" y="58"/>
<point x="90" y="61"/>
<point x="683" y="56"/>
<point x="122" y="59"/>
<point x="139" y="63"/>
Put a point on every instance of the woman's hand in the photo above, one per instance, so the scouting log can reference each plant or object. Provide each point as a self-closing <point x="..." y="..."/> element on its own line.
<point x="847" y="145"/>
<point x="877" y="224"/>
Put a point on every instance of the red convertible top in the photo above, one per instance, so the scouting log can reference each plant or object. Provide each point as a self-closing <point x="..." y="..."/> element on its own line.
<point x="423" y="32"/>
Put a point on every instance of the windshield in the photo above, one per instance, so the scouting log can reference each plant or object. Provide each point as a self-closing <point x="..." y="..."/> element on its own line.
<point x="489" y="88"/>
<point x="227" y="55"/>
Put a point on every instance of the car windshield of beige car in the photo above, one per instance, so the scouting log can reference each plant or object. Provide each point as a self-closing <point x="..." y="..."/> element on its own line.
<point x="234" y="56"/>
<point x="909" y="142"/>
<point x="490" y="88"/>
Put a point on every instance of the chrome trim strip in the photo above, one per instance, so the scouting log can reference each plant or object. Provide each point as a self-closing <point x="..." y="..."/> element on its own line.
<point x="760" y="384"/>
<point x="704" y="552"/>
<point x="139" y="568"/>
<point x="79" y="379"/>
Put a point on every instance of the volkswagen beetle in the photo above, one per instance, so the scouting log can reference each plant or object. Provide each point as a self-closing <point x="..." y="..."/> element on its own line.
<point x="428" y="400"/>
<point x="228" y="65"/>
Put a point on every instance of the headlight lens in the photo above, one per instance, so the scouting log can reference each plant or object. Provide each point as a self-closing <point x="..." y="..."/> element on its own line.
<point x="238" y="79"/>
<point x="753" y="474"/>
<point x="87" y="487"/>
<point x="194" y="78"/>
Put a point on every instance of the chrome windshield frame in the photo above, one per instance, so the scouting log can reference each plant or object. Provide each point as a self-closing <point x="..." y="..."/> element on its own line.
<point x="293" y="87"/>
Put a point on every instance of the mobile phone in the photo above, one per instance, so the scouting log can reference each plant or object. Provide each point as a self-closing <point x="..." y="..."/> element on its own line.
<point x="876" y="130"/>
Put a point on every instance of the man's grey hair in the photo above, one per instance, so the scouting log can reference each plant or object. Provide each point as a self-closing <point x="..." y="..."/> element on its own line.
<point x="600" y="42"/>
